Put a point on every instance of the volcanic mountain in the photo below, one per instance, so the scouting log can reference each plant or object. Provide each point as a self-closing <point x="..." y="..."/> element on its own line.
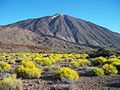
<point x="59" y="31"/>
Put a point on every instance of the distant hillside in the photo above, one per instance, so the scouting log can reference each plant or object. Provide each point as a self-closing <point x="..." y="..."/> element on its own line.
<point x="6" y="46"/>
<point x="59" y="31"/>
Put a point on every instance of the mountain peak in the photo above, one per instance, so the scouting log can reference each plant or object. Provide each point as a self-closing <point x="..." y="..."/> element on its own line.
<point x="56" y="15"/>
<point x="70" y="29"/>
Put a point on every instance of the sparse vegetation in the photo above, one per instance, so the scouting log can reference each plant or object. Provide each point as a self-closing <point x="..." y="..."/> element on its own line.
<point x="61" y="67"/>
<point x="10" y="84"/>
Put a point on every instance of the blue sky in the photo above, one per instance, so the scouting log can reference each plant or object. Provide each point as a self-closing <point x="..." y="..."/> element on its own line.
<point x="105" y="13"/>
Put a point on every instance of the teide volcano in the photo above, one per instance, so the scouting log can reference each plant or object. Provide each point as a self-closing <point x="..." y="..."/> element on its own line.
<point x="64" y="31"/>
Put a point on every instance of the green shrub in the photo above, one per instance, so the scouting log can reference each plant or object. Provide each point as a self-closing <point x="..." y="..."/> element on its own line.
<point x="98" y="61"/>
<point x="109" y="69"/>
<point x="104" y="52"/>
<point x="10" y="84"/>
<point x="4" y="65"/>
<point x="28" y="70"/>
<point x="97" y="71"/>
<point x="66" y="73"/>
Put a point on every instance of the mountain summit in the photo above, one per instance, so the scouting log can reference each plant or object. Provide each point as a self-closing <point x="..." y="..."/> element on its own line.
<point x="65" y="28"/>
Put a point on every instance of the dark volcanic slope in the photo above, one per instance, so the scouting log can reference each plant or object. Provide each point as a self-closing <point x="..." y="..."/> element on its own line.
<point x="71" y="29"/>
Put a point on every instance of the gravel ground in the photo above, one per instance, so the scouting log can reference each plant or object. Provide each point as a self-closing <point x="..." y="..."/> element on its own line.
<point x="85" y="82"/>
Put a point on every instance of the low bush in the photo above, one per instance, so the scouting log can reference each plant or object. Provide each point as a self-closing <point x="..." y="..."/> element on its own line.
<point x="43" y="62"/>
<point x="10" y="84"/>
<point x="2" y="58"/>
<point x="113" y="56"/>
<point x="74" y="64"/>
<point x="98" y="61"/>
<point x="52" y="68"/>
<point x="111" y="60"/>
<point x="104" y="52"/>
<point x="66" y="73"/>
<point x="84" y="63"/>
<point x="12" y="62"/>
<point x="109" y="69"/>
<point x="116" y="64"/>
<point x="4" y="65"/>
<point x="28" y="64"/>
<point x="20" y="59"/>
<point x="28" y="70"/>
<point x="79" y="63"/>
<point x="97" y="71"/>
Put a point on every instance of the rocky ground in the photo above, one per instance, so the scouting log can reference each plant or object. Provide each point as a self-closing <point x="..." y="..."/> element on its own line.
<point x="85" y="82"/>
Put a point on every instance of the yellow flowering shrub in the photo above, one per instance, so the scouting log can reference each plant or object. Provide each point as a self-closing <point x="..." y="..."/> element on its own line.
<point x="44" y="62"/>
<point x="98" y="61"/>
<point x="28" y="64"/>
<point x="97" y="71"/>
<point x="113" y="56"/>
<point x="118" y="57"/>
<point x="10" y="84"/>
<point x="74" y="64"/>
<point x="109" y="69"/>
<point x="20" y="59"/>
<point x="8" y="57"/>
<point x="84" y="63"/>
<point x="79" y="63"/>
<point x="66" y="73"/>
<point x="111" y="60"/>
<point x="52" y="68"/>
<point x="28" y="70"/>
<point x="4" y="65"/>
<point x="81" y="56"/>
<point x="2" y="57"/>
<point x="12" y="62"/>
<point x="116" y="64"/>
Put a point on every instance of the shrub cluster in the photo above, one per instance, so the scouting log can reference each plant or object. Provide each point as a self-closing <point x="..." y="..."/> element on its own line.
<point x="111" y="60"/>
<point x="116" y="64"/>
<point x="84" y="63"/>
<point x="97" y="71"/>
<point x="79" y="63"/>
<point x="4" y="65"/>
<point x="12" y="62"/>
<point x="109" y="69"/>
<point x="66" y="73"/>
<point x="10" y="84"/>
<point x="43" y="62"/>
<point x="28" y="70"/>
<point x="101" y="52"/>
<point x="52" y="68"/>
<point x="98" y="61"/>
